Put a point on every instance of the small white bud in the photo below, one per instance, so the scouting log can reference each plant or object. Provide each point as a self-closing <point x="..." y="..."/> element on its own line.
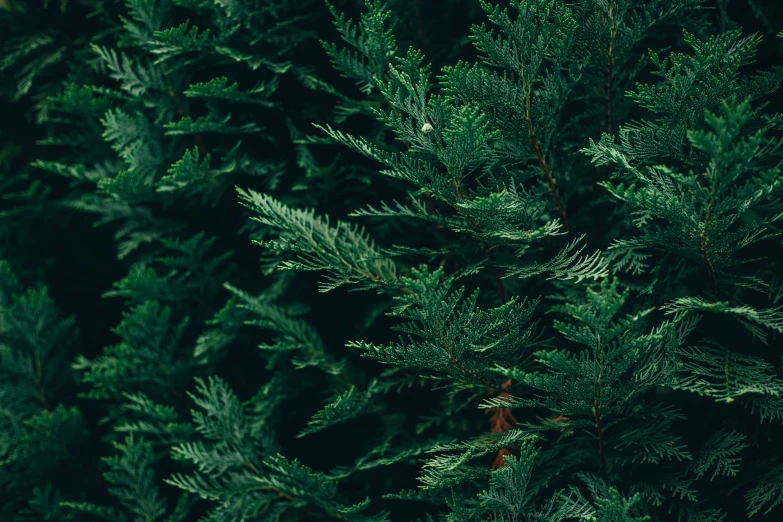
<point x="427" y="128"/>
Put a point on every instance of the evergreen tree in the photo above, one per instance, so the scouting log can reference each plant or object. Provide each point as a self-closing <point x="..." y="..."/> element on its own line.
<point x="385" y="260"/>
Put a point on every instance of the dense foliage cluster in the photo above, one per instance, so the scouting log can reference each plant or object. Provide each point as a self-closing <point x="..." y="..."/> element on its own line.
<point x="380" y="260"/>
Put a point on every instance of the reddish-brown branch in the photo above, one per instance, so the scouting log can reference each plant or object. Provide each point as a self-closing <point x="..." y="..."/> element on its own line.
<point x="544" y="168"/>
<point x="501" y="290"/>
<point x="501" y="420"/>
<point x="552" y="188"/>
<point x="454" y="362"/>
<point x="500" y="458"/>
<point x="703" y="239"/>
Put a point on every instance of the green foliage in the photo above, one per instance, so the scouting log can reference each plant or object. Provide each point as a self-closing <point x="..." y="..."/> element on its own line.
<point x="734" y="182"/>
<point x="132" y="484"/>
<point x="344" y="407"/>
<point x="318" y="246"/>
<point x="455" y="261"/>
<point x="602" y="391"/>
<point x="38" y="433"/>
<point x="239" y="471"/>
<point x="448" y="334"/>
<point x="373" y="39"/>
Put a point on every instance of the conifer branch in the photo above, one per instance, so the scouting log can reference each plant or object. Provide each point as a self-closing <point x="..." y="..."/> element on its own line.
<point x="501" y="289"/>
<point x="202" y="150"/>
<point x="502" y="418"/>
<point x="454" y="362"/>
<point x="582" y="390"/>
<point x="542" y="162"/>
<point x="501" y="421"/>
<point x="597" y="415"/>
<point x="39" y="382"/>
<point x="703" y="236"/>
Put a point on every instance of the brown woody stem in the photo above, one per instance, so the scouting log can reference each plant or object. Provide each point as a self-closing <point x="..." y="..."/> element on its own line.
<point x="544" y="168"/>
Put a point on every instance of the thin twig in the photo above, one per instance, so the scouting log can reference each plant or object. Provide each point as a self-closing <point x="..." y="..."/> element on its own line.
<point x="544" y="168"/>
<point x="454" y="362"/>
<point x="202" y="152"/>
<point x="501" y="421"/>
<point x="487" y="251"/>
<point x="39" y="381"/>
<point x="703" y="239"/>
<point x="599" y="427"/>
